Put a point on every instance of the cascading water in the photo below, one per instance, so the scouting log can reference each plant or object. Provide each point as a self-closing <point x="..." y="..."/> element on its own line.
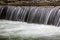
<point x="41" y="15"/>
<point x="17" y="30"/>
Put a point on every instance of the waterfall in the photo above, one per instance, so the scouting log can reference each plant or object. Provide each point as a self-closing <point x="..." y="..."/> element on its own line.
<point x="17" y="23"/>
<point x="40" y="15"/>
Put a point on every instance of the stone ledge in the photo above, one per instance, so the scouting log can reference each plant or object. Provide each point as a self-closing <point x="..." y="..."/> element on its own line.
<point x="31" y="3"/>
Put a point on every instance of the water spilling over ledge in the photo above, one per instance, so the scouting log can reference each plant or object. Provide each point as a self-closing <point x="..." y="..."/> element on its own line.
<point x="40" y="15"/>
<point x="17" y="23"/>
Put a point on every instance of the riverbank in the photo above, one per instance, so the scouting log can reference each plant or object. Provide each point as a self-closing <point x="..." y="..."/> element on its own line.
<point x="30" y="3"/>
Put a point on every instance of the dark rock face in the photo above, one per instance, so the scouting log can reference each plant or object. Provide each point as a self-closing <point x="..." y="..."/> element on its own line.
<point x="40" y="15"/>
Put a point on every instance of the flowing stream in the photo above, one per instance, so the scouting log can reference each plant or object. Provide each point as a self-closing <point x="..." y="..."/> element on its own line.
<point x="29" y="23"/>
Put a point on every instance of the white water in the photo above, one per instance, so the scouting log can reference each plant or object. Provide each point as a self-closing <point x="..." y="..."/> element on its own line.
<point x="22" y="29"/>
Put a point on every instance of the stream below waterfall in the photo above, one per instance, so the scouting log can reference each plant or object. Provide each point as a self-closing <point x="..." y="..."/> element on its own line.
<point x="29" y="23"/>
